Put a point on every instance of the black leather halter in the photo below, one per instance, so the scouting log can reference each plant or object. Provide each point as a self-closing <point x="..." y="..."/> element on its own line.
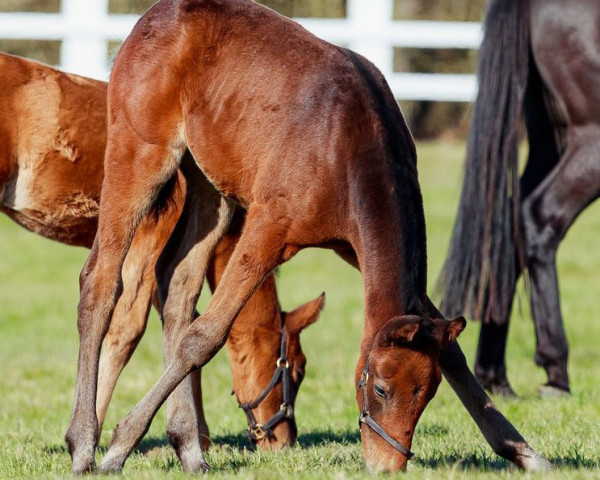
<point x="365" y="416"/>
<point x="258" y="431"/>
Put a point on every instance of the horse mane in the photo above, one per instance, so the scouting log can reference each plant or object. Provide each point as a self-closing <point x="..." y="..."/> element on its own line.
<point x="401" y="151"/>
<point x="481" y="268"/>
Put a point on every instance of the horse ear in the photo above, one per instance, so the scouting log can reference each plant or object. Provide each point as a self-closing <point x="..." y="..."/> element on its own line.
<point x="399" y="331"/>
<point x="305" y="315"/>
<point x="452" y="329"/>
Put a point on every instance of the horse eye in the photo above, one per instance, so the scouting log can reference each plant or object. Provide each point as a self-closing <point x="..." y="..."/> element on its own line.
<point x="380" y="392"/>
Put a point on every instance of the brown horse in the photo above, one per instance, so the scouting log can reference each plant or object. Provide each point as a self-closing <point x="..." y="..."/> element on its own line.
<point x="308" y="137"/>
<point x="540" y="58"/>
<point x="52" y="141"/>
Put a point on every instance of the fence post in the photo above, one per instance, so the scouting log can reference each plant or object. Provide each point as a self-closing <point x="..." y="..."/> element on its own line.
<point x="83" y="50"/>
<point x="367" y="18"/>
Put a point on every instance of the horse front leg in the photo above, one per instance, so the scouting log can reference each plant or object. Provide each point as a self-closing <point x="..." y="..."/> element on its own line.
<point x="504" y="439"/>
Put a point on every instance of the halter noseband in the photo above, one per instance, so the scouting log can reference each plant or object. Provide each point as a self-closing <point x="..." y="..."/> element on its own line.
<point x="365" y="416"/>
<point x="258" y="431"/>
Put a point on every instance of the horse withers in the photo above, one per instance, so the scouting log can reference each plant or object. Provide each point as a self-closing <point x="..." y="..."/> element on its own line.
<point x="310" y="140"/>
<point x="540" y="58"/>
<point x="52" y="142"/>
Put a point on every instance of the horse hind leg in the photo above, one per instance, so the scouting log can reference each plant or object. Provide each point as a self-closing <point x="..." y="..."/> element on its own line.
<point x="127" y="195"/>
<point x="548" y="212"/>
<point x="130" y="316"/>
<point x="260" y="249"/>
<point x="180" y="271"/>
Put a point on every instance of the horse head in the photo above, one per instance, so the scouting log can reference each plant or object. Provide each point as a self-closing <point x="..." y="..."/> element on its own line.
<point x="401" y="375"/>
<point x="267" y="390"/>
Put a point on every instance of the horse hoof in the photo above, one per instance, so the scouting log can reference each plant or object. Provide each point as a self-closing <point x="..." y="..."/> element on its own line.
<point x="82" y="468"/>
<point x="499" y="387"/>
<point x="110" y="464"/>
<point x="82" y="464"/>
<point x="551" y="391"/>
<point x="193" y="463"/>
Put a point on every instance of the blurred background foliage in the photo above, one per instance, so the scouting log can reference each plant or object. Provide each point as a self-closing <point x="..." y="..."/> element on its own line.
<point x="426" y="119"/>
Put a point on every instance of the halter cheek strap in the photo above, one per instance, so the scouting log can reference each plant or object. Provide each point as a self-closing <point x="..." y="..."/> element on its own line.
<point x="258" y="431"/>
<point x="365" y="416"/>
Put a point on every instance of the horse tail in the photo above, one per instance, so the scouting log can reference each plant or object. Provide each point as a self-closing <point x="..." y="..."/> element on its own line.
<point x="481" y="268"/>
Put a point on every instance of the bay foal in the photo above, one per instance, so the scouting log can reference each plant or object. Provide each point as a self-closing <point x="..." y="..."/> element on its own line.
<point x="52" y="142"/>
<point x="307" y="137"/>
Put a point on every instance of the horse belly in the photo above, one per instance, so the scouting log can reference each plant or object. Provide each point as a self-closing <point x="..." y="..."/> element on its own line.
<point x="66" y="215"/>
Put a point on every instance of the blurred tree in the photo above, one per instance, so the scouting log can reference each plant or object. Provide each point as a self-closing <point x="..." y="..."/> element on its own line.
<point x="46" y="6"/>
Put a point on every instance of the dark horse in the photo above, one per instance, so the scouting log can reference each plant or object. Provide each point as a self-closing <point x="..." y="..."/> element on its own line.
<point x="540" y="58"/>
<point x="308" y="137"/>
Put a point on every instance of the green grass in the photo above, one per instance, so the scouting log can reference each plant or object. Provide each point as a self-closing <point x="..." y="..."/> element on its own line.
<point x="38" y="353"/>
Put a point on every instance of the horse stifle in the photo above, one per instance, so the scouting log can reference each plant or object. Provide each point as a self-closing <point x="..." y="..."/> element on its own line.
<point x="52" y="142"/>
<point x="539" y="59"/>
<point x="309" y="139"/>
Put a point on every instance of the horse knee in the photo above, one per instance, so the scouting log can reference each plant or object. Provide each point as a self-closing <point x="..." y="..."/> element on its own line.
<point x="542" y="236"/>
<point x="199" y="344"/>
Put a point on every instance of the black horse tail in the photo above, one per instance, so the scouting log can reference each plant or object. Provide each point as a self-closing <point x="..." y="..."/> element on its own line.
<point x="480" y="270"/>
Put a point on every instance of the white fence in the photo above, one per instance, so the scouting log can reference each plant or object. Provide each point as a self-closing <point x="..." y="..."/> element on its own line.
<point x="84" y="27"/>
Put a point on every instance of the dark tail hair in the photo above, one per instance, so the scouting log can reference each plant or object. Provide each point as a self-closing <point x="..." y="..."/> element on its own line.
<point x="481" y="267"/>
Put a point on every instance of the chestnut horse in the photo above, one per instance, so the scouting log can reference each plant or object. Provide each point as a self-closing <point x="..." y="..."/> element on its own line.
<point x="308" y="137"/>
<point x="540" y="56"/>
<point x="52" y="141"/>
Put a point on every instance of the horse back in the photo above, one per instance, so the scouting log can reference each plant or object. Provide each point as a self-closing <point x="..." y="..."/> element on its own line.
<point x="267" y="109"/>
<point x="53" y="135"/>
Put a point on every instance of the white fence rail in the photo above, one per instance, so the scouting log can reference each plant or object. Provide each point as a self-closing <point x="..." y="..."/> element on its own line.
<point x="85" y="26"/>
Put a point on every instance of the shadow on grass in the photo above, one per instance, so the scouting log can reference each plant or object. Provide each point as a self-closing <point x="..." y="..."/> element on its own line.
<point x="321" y="438"/>
<point x="494" y="463"/>
<point x="239" y="441"/>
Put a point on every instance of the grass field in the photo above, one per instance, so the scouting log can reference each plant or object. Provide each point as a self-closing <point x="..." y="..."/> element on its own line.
<point x="38" y="353"/>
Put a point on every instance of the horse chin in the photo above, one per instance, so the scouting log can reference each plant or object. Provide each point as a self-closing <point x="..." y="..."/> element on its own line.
<point x="379" y="456"/>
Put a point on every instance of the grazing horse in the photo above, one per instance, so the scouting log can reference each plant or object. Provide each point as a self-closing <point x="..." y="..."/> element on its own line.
<point x="540" y="58"/>
<point x="52" y="142"/>
<point x="310" y="140"/>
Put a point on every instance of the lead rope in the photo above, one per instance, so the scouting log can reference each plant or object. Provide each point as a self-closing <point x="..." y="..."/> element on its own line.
<point x="258" y="431"/>
<point x="365" y="416"/>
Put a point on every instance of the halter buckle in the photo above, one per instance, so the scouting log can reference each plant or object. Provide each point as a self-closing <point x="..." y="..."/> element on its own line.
<point x="283" y="363"/>
<point x="257" y="432"/>
<point x="288" y="409"/>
